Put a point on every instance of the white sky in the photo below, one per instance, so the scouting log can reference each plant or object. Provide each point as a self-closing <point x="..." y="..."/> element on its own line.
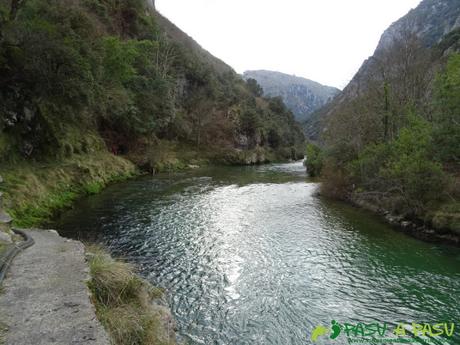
<point x="322" y="40"/>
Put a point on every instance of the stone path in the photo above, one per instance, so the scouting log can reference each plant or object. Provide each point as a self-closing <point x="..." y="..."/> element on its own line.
<point x="45" y="299"/>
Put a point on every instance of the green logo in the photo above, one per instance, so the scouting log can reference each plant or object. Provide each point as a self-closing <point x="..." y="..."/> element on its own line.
<point x="376" y="333"/>
<point x="336" y="329"/>
<point x="320" y="330"/>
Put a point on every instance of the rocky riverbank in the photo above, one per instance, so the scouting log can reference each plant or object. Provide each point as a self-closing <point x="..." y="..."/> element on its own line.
<point x="418" y="228"/>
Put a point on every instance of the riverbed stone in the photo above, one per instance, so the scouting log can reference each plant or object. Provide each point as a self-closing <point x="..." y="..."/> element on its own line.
<point x="406" y="224"/>
<point x="5" y="237"/>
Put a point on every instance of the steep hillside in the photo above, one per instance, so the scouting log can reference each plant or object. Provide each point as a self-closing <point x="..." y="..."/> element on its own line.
<point x="178" y="36"/>
<point x="302" y="96"/>
<point x="429" y="23"/>
<point x="102" y="78"/>
<point x="392" y="138"/>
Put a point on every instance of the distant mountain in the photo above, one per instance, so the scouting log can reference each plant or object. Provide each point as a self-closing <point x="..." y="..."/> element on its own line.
<point x="302" y="96"/>
<point x="430" y="23"/>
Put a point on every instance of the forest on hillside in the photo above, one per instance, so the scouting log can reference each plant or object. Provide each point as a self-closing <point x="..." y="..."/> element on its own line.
<point x="91" y="75"/>
<point x="396" y="145"/>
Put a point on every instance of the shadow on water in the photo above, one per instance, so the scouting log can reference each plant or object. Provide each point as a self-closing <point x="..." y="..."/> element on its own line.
<point x="251" y="256"/>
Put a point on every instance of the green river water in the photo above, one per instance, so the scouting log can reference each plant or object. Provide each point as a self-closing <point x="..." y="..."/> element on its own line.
<point x="249" y="255"/>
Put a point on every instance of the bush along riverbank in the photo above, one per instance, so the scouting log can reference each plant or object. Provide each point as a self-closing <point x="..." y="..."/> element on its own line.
<point x="436" y="220"/>
<point x="439" y="226"/>
<point x="411" y="177"/>
<point x="394" y="148"/>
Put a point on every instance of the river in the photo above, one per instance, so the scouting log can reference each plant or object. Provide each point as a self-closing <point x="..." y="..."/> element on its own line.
<point x="249" y="255"/>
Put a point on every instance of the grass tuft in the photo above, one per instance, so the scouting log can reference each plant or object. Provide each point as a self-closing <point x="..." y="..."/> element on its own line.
<point x="123" y="302"/>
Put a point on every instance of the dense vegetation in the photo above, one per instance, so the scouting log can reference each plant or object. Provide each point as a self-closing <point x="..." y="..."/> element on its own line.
<point x="72" y="72"/>
<point x="97" y="78"/>
<point x="397" y="145"/>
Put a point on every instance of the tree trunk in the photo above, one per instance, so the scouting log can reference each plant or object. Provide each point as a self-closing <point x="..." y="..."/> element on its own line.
<point x="15" y="5"/>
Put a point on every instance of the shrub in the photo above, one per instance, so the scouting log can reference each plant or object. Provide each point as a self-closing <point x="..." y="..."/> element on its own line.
<point x="404" y="167"/>
<point x="314" y="160"/>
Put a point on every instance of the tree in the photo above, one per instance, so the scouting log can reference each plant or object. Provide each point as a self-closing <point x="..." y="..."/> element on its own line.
<point x="201" y="114"/>
<point x="274" y="138"/>
<point x="14" y="8"/>
<point x="314" y="160"/>
<point x="447" y="108"/>
<point x="404" y="76"/>
<point x="249" y="122"/>
<point x="254" y="87"/>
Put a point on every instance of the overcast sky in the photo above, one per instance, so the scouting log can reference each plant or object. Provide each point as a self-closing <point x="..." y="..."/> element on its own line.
<point x="322" y="40"/>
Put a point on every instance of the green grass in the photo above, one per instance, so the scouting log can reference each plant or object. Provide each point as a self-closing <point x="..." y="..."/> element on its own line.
<point x="123" y="302"/>
<point x="35" y="192"/>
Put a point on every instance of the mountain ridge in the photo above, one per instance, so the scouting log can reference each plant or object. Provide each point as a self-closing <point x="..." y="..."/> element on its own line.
<point x="429" y="22"/>
<point x="301" y="95"/>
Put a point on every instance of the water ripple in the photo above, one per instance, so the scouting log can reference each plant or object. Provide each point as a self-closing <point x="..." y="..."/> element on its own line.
<point x="250" y="256"/>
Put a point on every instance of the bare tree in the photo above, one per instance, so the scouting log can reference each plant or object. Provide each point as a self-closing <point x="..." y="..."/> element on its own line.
<point x="165" y="56"/>
<point x="404" y="79"/>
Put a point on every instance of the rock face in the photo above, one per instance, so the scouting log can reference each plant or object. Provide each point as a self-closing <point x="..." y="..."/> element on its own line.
<point x="430" y="22"/>
<point x="302" y="96"/>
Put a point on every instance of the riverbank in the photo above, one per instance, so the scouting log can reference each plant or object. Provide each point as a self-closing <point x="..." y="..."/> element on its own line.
<point x="418" y="228"/>
<point x="130" y="308"/>
<point x="435" y="221"/>
<point x="35" y="191"/>
<point x="55" y="289"/>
